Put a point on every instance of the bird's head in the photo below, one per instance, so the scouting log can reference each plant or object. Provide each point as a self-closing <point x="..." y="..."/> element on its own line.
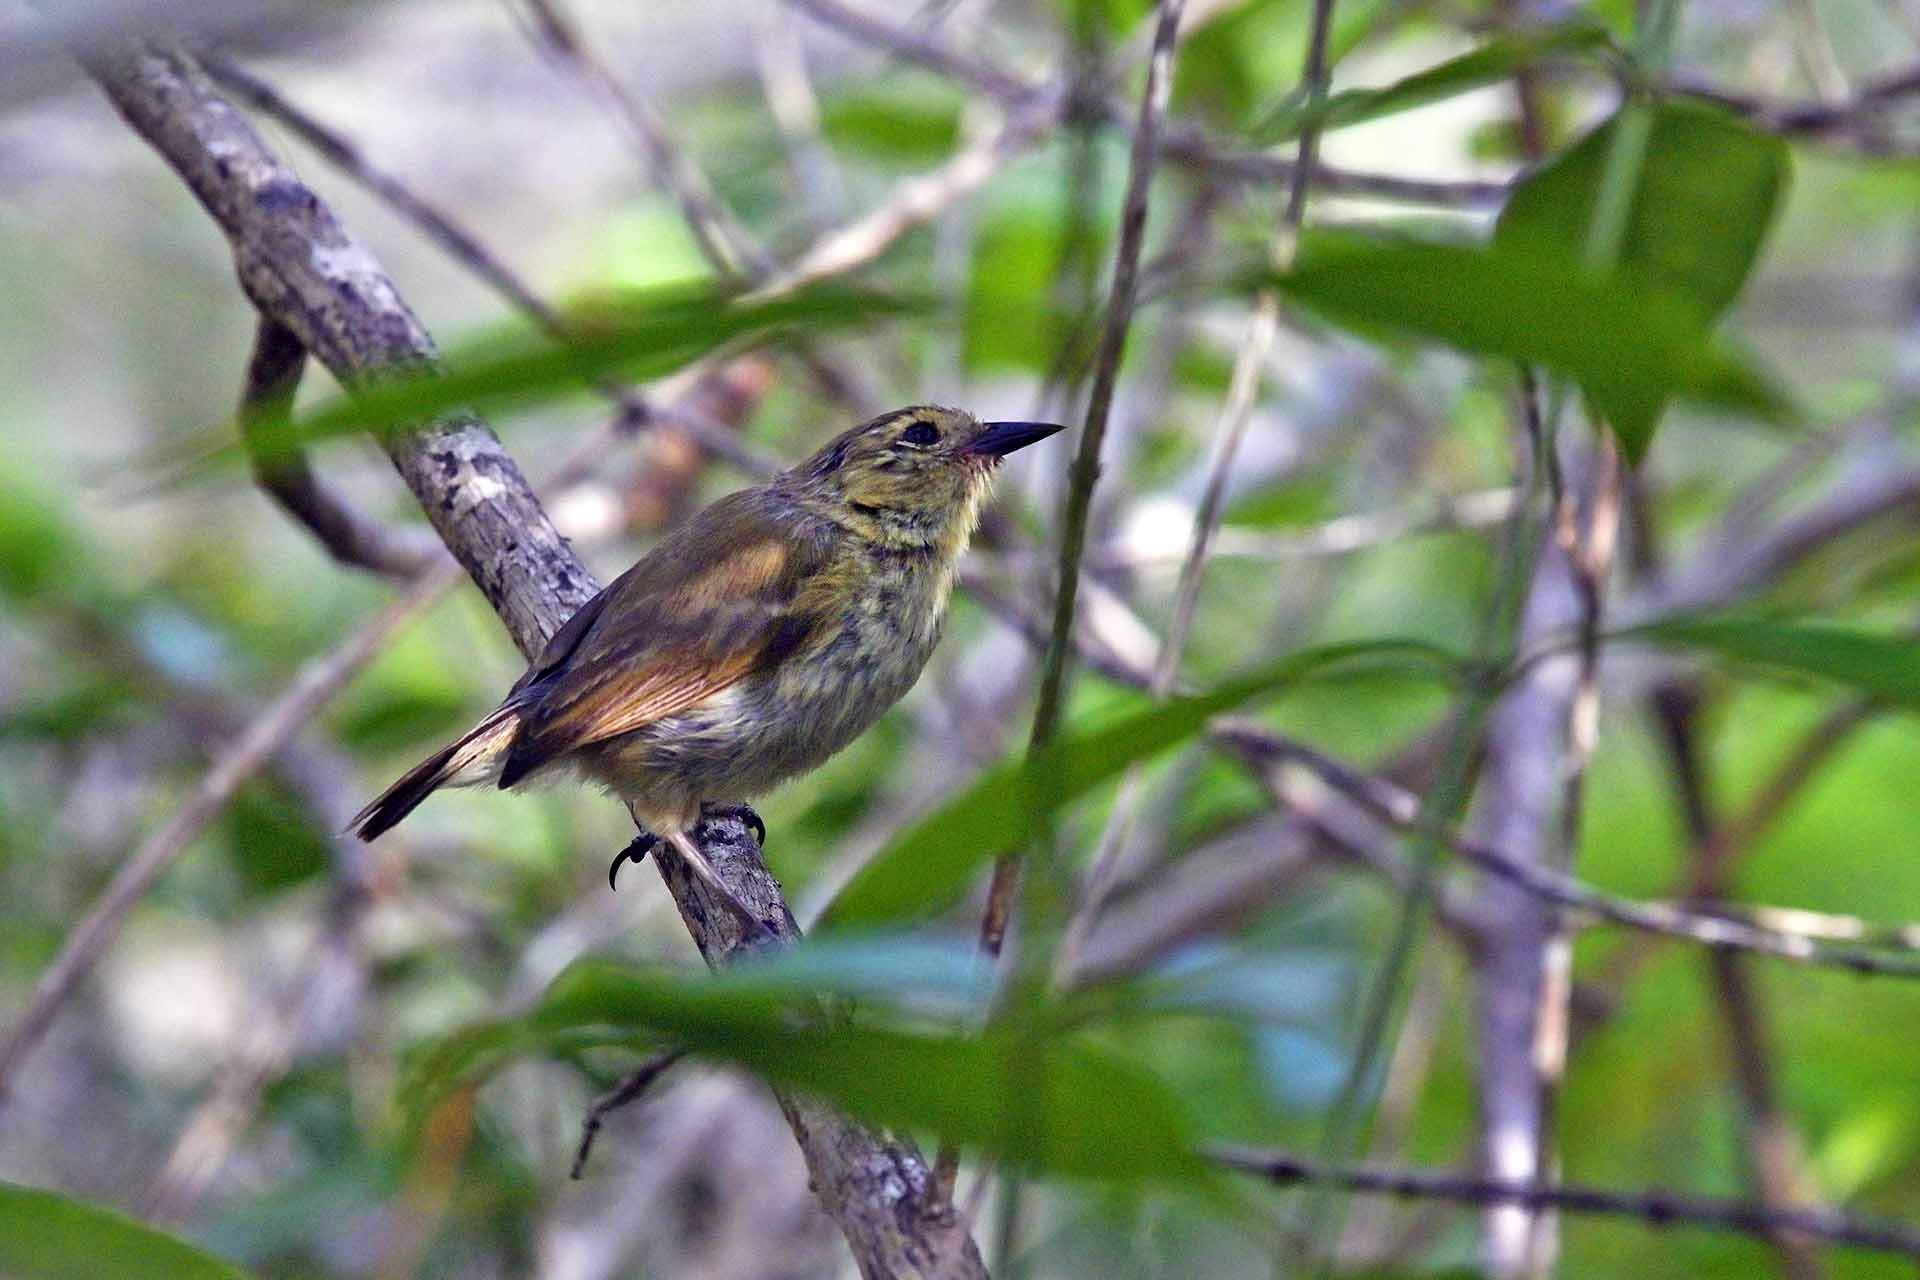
<point x="916" y="474"/>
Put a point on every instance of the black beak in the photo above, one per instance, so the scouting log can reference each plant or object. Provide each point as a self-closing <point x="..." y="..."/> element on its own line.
<point x="1002" y="438"/>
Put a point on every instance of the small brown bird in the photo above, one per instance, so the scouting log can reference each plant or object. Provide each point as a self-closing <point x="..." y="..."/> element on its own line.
<point x="762" y="636"/>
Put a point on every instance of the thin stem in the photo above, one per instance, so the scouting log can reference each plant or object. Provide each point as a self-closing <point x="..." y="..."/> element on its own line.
<point x="1086" y="463"/>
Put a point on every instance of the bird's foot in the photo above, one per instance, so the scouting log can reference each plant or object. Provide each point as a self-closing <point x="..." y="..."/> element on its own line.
<point x="636" y="852"/>
<point x="745" y="813"/>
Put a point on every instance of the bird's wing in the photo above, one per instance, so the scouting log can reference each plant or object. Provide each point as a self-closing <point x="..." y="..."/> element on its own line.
<point x="735" y="590"/>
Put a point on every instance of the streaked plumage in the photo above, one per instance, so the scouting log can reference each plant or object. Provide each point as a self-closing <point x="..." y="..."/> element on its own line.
<point x="754" y="641"/>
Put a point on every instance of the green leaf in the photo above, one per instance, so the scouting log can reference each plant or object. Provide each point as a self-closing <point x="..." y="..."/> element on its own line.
<point x="640" y="335"/>
<point x="1491" y="63"/>
<point x="1885" y="667"/>
<point x="1629" y="346"/>
<point x="1079" y="1109"/>
<point x="47" y="1235"/>
<point x="1708" y="188"/>
<point x="929" y="867"/>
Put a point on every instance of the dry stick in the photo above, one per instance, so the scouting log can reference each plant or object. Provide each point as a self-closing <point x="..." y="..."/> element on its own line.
<point x="310" y="690"/>
<point x="280" y="467"/>
<point x="1866" y="102"/>
<point x="301" y="266"/>
<point x="1656" y="1208"/>
<point x="343" y="154"/>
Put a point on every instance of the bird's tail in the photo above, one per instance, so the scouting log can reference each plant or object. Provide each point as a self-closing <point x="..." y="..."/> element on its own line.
<point x="468" y="761"/>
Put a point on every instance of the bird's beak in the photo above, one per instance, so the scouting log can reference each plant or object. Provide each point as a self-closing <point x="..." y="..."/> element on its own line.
<point x="1002" y="438"/>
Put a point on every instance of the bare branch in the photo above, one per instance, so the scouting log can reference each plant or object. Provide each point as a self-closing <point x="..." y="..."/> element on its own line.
<point x="345" y="155"/>
<point x="1656" y="1208"/>
<point x="916" y="47"/>
<point x="1539" y="739"/>
<point x="1730" y="566"/>
<point x="1235" y="415"/>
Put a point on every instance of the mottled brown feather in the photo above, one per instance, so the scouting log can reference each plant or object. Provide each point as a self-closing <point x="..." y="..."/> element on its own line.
<point x="725" y="594"/>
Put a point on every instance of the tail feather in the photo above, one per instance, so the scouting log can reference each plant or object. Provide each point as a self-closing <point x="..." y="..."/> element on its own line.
<point x="476" y="757"/>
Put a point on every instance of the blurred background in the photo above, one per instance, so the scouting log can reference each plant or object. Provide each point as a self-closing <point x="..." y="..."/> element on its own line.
<point x="226" y="1066"/>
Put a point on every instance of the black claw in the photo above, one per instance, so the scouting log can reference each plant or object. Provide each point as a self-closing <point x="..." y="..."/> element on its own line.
<point x="746" y="814"/>
<point x="635" y="852"/>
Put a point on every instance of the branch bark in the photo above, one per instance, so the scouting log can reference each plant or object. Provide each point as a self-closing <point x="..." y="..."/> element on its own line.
<point x="303" y="269"/>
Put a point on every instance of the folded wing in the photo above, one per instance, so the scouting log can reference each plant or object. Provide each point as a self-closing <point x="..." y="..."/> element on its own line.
<point x="734" y="591"/>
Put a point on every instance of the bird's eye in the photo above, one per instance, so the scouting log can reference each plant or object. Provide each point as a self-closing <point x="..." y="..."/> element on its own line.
<point x="921" y="433"/>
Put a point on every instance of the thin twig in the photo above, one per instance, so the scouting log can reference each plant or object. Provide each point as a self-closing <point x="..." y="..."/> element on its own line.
<point x="1086" y="463"/>
<point x="1656" y="1208"/>
<point x="1846" y="112"/>
<point x="635" y="408"/>
<point x="1402" y="808"/>
<point x="918" y="200"/>
<point x="630" y="1088"/>
<point x="309" y="690"/>
<point x="1235" y="416"/>
<point x="345" y="155"/>
<point x="725" y="244"/>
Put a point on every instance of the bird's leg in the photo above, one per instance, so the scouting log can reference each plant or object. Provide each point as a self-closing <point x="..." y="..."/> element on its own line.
<point x="635" y="852"/>
<point x="745" y="813"/>
<point x="697" y="861"/>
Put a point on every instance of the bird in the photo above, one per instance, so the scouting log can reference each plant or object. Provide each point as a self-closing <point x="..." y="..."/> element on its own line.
<point x="753" y="642"/>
